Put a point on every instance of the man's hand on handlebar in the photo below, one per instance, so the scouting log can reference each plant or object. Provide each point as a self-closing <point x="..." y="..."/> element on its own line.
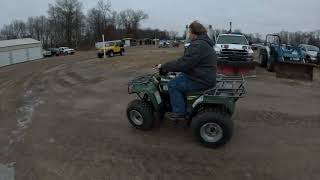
<point x="161" y="70"/>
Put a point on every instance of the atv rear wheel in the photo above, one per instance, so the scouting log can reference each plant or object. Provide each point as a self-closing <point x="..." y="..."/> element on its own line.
<point x="140" y="115"/>
<point x="212" y="129"/>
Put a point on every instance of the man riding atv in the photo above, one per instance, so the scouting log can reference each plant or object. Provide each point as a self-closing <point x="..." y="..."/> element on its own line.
<point x="196" y="95"/>
<point x="197" y="67"/>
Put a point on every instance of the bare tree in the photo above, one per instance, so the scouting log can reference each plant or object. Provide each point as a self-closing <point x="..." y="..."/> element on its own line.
<point x="66" y="25"/>
<point x="130" y="20"/>
<point x="173" y="34"/>
<point x="66" y="18"/>
<point x="99" y="18"/>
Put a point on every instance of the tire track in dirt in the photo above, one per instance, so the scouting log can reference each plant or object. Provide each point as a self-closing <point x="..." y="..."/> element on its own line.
<point x="22" y="90"/>
<point x="276" y="119"/>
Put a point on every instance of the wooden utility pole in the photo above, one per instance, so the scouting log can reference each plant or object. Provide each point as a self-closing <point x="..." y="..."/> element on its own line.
<point x="104" y="47"/>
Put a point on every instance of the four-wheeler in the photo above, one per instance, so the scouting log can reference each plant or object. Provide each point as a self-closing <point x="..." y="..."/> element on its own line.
<point x="111" y="49"/>
<point x="275" y="52"/>
<point x="209" y="111"/>
<point x="235" y="56"/>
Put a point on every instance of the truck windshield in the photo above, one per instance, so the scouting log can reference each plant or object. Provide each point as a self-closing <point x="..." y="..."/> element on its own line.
<point x="227" y="39"/>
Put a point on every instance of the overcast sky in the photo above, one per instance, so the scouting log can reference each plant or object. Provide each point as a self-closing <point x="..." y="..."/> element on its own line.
<point x="264" y="16"/>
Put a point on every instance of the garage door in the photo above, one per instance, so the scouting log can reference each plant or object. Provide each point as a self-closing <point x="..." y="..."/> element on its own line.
<point x="35" y="53"/>
<point x="19" y="56"/>
<point x="4" y="59"/>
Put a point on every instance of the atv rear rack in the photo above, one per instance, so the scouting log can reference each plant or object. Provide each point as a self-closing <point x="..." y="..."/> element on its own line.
<point x="228" y="86"/>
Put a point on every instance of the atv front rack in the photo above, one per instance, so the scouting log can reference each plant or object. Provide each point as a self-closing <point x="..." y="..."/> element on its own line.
<point x="144" y="79"/>
<point x="228" y="86"/>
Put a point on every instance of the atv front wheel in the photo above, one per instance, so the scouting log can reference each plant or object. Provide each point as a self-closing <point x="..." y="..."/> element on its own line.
<point x="212" y="129"/>
<point x="140" y="115"/>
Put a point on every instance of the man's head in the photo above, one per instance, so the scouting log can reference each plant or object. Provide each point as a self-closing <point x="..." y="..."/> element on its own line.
<point x="196" y="29"/>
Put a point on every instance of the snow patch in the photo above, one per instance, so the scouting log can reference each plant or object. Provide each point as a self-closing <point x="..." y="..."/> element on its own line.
<point x="24" y="114"/>
<point x="6" y="172"/>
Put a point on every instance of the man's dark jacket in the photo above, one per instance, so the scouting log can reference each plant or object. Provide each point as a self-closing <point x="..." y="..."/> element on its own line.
<point x="199" y="62"/>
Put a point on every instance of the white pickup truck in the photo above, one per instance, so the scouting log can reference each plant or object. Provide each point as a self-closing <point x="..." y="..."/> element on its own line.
<point x="66" y="50"/>
<point x="233" y="47"/>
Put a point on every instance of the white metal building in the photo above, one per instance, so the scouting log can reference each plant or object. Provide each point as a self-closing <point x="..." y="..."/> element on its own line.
<point x="19" y="50"/>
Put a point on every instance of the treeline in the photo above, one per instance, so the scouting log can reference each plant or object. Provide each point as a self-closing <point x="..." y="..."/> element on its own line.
<point x="296" y="38"/>
<point x="67" y="25"/>
<point x="293" y="38"/>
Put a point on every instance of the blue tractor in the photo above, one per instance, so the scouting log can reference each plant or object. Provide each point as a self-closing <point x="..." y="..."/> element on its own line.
<point x="274" y="52"/>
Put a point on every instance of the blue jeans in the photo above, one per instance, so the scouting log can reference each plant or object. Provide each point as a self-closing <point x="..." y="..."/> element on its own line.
<point x="178" y="87"/>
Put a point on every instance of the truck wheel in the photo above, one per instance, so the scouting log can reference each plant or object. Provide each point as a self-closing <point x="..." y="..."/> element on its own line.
<point x="262" y="60"/>
<point x="122" y="52"/>
<point x="140" y="115"/>
<point x="212" y="129"/>
<point x="111" y="54"/>
<point x="270" y="64"/>
<point x="308" y="59"/>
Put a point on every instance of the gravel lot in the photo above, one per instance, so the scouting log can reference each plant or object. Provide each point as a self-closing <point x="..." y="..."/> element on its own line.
<point x="64" y="118"/>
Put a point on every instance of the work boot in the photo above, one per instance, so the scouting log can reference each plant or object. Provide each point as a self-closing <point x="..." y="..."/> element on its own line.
<point x="175" y="116"/>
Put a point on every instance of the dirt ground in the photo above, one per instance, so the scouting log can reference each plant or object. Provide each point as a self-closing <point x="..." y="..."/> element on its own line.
<point x="64" y="118"/>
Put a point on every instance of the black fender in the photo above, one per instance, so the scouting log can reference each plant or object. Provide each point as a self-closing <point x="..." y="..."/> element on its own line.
<point x="202" y="107"/>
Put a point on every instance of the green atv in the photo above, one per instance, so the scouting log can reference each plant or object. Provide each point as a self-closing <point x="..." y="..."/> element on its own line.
<point x="209" y="112"/>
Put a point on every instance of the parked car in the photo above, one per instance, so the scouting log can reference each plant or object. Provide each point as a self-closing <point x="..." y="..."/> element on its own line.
<point x="164" y="44"/>
<point x="310" y="53"/>
<point x="66" y="50"/>
<point x="54" y="51"/>
<point x="111" y="49"/>
<point x="46" y="53"/>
